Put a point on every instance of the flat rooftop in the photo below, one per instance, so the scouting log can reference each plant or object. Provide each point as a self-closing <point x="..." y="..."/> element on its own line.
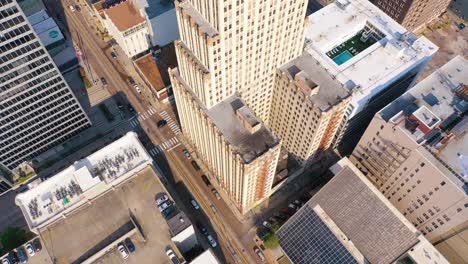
<point x="433" y="114"/>
<point x="330" y="91"/>
<point x="150" y="70"/>
<point x="206" y="257"/>
<point x="178" y="223"/>
<point x="155" y="8"/>
<point x="350" y="217"/>
<point x="124" y="15"/>
<point x="248" y="145"/>
<point x="352" y="40"/>
<point x="84" y="180"/>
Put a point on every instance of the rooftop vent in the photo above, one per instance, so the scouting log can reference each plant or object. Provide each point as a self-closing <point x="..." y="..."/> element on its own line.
<point x="306" y="84"/>
<point x="248" y="119"/>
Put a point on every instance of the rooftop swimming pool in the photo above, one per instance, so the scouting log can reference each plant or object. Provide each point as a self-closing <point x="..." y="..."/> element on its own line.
<point x="342" y="57"/>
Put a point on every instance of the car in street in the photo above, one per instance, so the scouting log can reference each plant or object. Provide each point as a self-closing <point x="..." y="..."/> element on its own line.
<point x="164" y="206"/>
<point x="30" y="249"/>
<point x="172" y="256"/>
<point x="461" y="26"/>
<point x="114" y="55"/>
<point x="162" y="199"/>
<point x="137" y="88"/>
<point x="130" y="108"/>
<point x="195" y="165"/>
<point x="212" y="241"/>
<point x="37" y="244"/>
<point x="22" y="256"/>
<point x="266" y="224"/>
<point x="205" y="180"/>
<point x="13" y="257"/>
<point x="195" y="204"/>
<point x="122" y="250"/>
<point x="203" y="229"/>
<point x="186" y="154"/>
<point x="103" y="81"/>
<point x="129" y="244"/>
<point x="288" y="211"/>
<point x="166" y="213"/>
<point x="293" y="206"/>
<point x="120" y="105"/>
<point x="280" y="216"/>
<point x="216" y="193"/>
<point x="259" y="253"/>
<point x="262" y="233"/>
<point x="161" y="123"/>
<point x="5" y="261"/>
<point x="72" y="8"/>
<point x="131" y="80"/>
<point x="78" y="8"/>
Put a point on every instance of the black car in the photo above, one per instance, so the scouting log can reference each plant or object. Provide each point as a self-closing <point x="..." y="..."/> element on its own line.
<point x="195" y="165"/>
<point x="166" y="213"/>
<point x="161" y="123"/>
<point x="119" y="105"/>
<point x="130" y="80"/>
<point x="113" y="55"/>
<point x="263" y="233"/>
<point x="205" y="180"/>
<point x="130" y="108"/>
<point x="37" y="244"/>
<point x="129" y="244"/>
<point x="22" y="255"/>
<point x="13" y="257"/>
<point x="203" y="229"/>
<point x="103" y="81"/>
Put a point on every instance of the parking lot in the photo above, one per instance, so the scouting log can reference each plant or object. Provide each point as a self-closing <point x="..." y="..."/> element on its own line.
<point x="103" y="221"/>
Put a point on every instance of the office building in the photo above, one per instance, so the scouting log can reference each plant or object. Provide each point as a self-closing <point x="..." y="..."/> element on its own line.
<point x="370" y="53"/>
<point x="128" y="27"/>
<point x="230" y="50"/>
<point x="38" y="110"/>
<point x="413" y="14"/>
<point x="350" y="221"/>
<point x="415" y="151"/>
<point x="308" y="107"/>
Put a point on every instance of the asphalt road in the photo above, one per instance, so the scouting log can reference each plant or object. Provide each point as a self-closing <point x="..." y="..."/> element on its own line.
<point x="10" y="214"/>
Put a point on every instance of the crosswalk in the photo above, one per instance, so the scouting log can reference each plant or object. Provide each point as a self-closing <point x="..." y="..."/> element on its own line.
<point x="171" y="123"/>
<point x="167" y="145"/>
<point x="134" y="122"/>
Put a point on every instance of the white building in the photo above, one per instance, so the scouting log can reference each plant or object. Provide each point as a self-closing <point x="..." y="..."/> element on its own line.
<point x="365" y="49"/>
<point x="85" y="180"/>
<point x="415" y="151"/>
<point x="182" y="232"/>
<point x="128" y="27"/>
<point x="206" y="257"/>
<point x="38" y="108"/>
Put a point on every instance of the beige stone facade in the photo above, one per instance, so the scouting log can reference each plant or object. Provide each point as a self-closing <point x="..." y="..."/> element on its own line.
<point x="415" y="151"/>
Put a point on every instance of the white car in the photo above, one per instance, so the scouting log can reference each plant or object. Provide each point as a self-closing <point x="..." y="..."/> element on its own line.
<point x="172" y="256"/>
<point x="30" y="249"/>
<point x="212" y="241"/>
<point x="162" y="199"/>
<point x="5" y="261"/>
<point x="123" y="251"/>
<point x="195" y="204"/>
<point x="259" y="253"/>
<point x="164" y="206"/>
<point x="72" y="8"/>
<point x="137" y="88"/>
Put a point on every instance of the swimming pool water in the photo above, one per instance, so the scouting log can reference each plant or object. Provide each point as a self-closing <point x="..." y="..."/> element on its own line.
<point x="343" y="57"/>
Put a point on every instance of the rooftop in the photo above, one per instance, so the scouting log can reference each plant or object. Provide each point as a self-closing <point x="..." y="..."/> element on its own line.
<point x="155" y="8"/>
<point x="249" y="140"/>
<point x="150" y="70"/>
<point x="124" y="15"/>
<point x="197" y="18"/>
<point x="206" y="257"/>
<point x="178" y="223"/>
<point x="433" y="114"/>
<point x="353" y="219"/>
<point x="87" y="178"/>
<point x="330" y="91"/>
<point x="350" y="40"/>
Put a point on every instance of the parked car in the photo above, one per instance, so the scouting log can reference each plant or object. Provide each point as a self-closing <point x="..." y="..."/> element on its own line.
<point x="205" y="180"/>
<point x="130" y="80"/>
<point x="203" y="229"/>
<point x="166" y="213"/>
<point x="259" y="253"/>
<point x="72" y="8"/>
<point x="262" y="233"/>
<point x="78" y="8"/>
<point x="280" y="216"/>
<point x="293" y="206"/>
<point x="172" y="256"/>
<point x="187" y="154"/>
<point x="137" y="88"/>
<point x="266" y="224"/>
<point x="30" y="249"/>
<point x="216" y="194"/>
<point x="162" y="199"/>
<point x="461" y="26"/>
<point x="22" y="256"/>
<point x="103" y="81"/>
<point x="130" y="108"/>
<point x="195" y="204"/>
<point x="298" y="203"/>
<point x="122" y="250"/>
<point x="129" y="244"/>
<point x="37" y="244"/>
<point x="13" y="257"/>
<point x="114" y="55"/>
<point x="212" y="241"/>
<point x="161" y="123"/>
<point x="195" y="165"/>
<point x="5" y="261"/>
<point x="120" y="105"/>
<point x="288" y="211"/>
<point x="164" y="206"/>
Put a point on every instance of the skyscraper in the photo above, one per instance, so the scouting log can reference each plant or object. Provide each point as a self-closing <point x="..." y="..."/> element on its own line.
<point x="415" y="151"/>
<point x="38" y="110"/>
<point x="413" y="14"/>
<point x="228" y="55"/>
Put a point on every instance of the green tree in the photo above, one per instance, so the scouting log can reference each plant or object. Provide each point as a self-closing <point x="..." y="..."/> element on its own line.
<point x="13" y="237"/>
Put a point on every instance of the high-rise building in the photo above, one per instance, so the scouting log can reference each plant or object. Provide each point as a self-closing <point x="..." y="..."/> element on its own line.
<point x="350" y="221"/>
<point x="230" y="50"/>
<point x="413" y="14"/>
<point x="415" y="151"/>
<point x="370" y="53"/>
<point x="38" y="110"/>
<point x="308" y="107"/>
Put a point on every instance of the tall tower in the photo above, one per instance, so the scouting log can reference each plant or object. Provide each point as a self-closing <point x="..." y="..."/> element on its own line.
<point x="228" y="55"/>
<point x="38" y="110"/>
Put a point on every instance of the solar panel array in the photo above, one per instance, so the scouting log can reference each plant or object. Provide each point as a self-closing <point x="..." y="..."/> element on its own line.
<point x="306" y="239"/>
